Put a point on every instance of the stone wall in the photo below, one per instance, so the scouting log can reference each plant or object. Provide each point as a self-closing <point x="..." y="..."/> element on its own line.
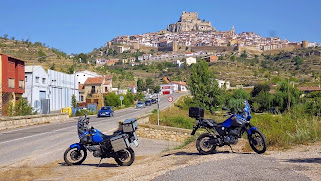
<point x="163" y="132"/>
<point x="19" y="121"/>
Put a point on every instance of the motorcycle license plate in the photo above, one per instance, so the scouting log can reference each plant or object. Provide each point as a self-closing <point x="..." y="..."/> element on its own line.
<point x="135" y="143"/>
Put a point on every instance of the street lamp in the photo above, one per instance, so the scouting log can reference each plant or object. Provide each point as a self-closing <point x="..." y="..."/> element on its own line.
<point x="33" y="65"/>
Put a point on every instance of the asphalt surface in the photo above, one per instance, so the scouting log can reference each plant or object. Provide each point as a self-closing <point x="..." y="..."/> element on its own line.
<point x="41" y="144"/>
<point x="242" y="167"/>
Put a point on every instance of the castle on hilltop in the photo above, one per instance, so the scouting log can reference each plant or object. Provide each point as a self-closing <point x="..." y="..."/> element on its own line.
<point x="189" y="21"/>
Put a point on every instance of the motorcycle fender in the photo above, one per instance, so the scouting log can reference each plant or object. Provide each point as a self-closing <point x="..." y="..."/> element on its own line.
<point x="251" y="130"/>
<point x="77" y="145"/>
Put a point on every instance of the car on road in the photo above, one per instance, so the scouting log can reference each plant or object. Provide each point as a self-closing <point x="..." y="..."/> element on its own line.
<point x="154" y="101"/>
<point x="148" y="103"/>
<point x="105" y="111"/>
<point x="140" y="104"/>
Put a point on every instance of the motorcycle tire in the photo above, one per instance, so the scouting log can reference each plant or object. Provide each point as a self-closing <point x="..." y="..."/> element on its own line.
<point x="76" y="157"/>
<point x="125" y="157"/>
<point x="203" y="146"/>
<point x="257" y="142"/>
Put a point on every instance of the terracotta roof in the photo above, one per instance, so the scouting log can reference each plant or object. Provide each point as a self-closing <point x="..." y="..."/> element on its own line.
<point x="107" y="83"/>
<point x="309" y="88"/>
<point x="178" y="82"/>
<point x="81" y="86"/>
<point x="132" y="86"/>
<point x="94" y="80"/>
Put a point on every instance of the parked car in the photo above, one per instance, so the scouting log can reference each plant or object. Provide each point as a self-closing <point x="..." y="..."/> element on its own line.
<point x="140" y="104"/>
<point x="148" y="103"/>
<point x="105" y="111"/>
<point x="154" y="101"/>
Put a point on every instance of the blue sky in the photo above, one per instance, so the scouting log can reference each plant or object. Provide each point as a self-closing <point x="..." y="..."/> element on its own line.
<point x="76" y="26"/>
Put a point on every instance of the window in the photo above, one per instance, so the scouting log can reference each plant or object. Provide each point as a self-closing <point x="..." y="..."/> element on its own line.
<point x="11" y="83"/>
<point x="26" y="78"/>
<point x="37" y="79"/>
<point x="21" y="84"/>
<point x="93" y="89"/>
<point x="106" y="89"/>
<point x="43" y="80"/>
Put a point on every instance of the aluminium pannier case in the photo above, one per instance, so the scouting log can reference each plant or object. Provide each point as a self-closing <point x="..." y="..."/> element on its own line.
<point x="196" y="112"/>
<point x="119" y="143"/>
<point x="129" y="125"/>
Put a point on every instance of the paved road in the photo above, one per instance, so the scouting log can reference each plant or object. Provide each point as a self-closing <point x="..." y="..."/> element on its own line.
<point x="241" y="167"/>
<point x="44" y="143"/>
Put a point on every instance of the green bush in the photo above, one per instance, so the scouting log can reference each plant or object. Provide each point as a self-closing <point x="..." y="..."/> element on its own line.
<point x="288" y="129"/>
<point x="82" y="112"/>
<point x="20" y="108"/>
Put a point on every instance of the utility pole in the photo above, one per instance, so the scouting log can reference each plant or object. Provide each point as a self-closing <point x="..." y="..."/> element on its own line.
<point x="158" y="109"/>
<point x="288" y="96"/>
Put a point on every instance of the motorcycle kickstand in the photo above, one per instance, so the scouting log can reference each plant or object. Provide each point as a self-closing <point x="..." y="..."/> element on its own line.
<point x="99" y="162"/>
<point x="231" y="148"/>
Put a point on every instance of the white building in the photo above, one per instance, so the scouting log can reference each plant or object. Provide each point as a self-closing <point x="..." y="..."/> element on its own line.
<point x="39" y="93"/>
<point x="179" y="86"/>
<point x="167" y="89"/>
<point x="222" y="83"/>
<point x="190" y="61"/>
<point x="61" y="88"/>
<point x="83" y="75"/>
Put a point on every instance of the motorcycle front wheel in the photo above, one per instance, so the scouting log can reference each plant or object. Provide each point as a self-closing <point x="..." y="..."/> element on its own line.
<point x="203" y="145"/>
<point x="125" y="157"/>
<point x="73" y="156"/>
<point x="257" y="142"/>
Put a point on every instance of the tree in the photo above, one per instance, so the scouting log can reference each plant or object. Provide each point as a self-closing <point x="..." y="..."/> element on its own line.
<point x="244" y="55"/>
<point x="73" y="101"/>
<point x="204" y="87"/>
<point x="20" y="108"/>
<point x="264" y="99"/>
<point x="149" y="83"/>
<point x="5" y="36"/>
<point x="233" y="58"/>
<point x="140" y="85"/>
<point x="112" y="100"/>
<point x="53" y="66"/>
<point x="240" y="94"/>
<point x="83" y="57"/>
<point x="156" y="89"/>
<point x="259" y="88"/>
<point x="282" y="95"/>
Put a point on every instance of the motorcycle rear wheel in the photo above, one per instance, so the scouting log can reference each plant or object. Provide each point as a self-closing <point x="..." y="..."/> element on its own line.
<point x="73" y="156"/>
<point x="203" y="146"/>
<point x="257" y="142"/>
<point x="125" y="157"/>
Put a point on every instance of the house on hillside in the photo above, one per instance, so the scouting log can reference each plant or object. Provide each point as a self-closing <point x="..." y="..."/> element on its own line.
<point x="83" y="75"/>
<point x="179" y="86"/>
<point x="190" y="61"/>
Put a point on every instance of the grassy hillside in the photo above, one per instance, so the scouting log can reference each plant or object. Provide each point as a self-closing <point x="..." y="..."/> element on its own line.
<point x="29" y="51"/>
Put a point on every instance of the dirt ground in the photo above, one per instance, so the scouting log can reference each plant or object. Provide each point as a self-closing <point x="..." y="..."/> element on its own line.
<point x="148" y="167"/>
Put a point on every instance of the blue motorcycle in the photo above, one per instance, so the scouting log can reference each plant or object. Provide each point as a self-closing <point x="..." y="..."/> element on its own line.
<point x="103" y="146"/>
<point x="227" y="132"/>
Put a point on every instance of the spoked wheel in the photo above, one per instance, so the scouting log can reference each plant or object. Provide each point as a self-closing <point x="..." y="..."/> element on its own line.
<point x="257" y="142"/>
<point x="203" y="145"/>
<point x="125" y="157"/>
<point x="73" y="156"/>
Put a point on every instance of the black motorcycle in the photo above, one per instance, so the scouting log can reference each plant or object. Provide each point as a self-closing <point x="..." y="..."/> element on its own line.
<point x="116" y="146"/>
<point x="227" y="132"/>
